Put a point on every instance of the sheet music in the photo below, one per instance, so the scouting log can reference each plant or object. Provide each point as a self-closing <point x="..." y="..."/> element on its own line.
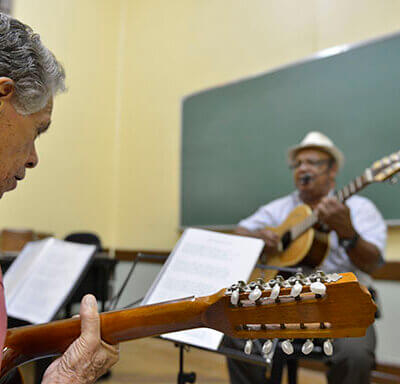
<point x="202" y="263"/>
<point x="40" y="279"/>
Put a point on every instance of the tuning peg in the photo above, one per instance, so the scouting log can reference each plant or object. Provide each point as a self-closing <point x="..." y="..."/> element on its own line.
<point x="313" y="277"/>
<point x="287" y="347"/>
<point x="318" y="288"/>
<point x="255" y="294"/>
<point x="328" y="347"/>
<point x="279" y="278"/>
<point x="248" y="347"/>
<point x="307" y="347"/>
<point x="267" y="347"/>
<point x="296" y="289"/>
<point x="275" y="291"/>
<point x="235" y="297"/>
<point x="321" y="275"/>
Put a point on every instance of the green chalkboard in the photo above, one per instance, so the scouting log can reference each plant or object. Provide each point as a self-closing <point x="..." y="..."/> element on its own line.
<point x="235" y="137"/>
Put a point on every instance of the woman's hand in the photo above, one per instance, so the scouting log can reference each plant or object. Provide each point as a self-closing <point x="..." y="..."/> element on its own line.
<point x="88" y="357"/>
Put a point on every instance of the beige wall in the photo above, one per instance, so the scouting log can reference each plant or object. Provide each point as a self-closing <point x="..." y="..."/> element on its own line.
<point x="111" y="160"/>
<point x="72" y="187"/>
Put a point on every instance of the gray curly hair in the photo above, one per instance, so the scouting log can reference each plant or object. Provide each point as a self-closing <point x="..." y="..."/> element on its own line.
<point x="34" y="69"/>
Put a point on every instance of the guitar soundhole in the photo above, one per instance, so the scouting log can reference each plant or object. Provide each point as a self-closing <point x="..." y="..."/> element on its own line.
<point x="286" y="239"/>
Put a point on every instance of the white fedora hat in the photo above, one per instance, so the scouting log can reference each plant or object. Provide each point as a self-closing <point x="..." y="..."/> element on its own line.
<point x="318" y="140"/>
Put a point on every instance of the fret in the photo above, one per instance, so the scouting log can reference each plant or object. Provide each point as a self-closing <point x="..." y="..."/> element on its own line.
<point x="352" y="187"/>
<point x="359" y="182"/>
<point x="340" y="196"/>
<point x="346" y="192"/>
<point x="295" y="231"/>
<point x="303" y="226"/>
<point x="369" y="176"/>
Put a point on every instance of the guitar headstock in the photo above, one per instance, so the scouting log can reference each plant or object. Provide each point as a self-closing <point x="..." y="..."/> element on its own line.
<point x="384" y="168"/>
<point x="317" y="306"/>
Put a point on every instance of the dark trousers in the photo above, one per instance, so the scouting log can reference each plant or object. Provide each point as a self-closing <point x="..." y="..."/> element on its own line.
<point x="351" y="363"/>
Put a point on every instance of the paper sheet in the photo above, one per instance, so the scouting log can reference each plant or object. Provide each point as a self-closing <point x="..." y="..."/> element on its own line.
<point x="41" y="278"/>
<point x="202" y="263"/>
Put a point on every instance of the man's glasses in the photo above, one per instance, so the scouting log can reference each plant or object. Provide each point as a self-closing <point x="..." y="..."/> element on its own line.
<point x="311" y="163"/>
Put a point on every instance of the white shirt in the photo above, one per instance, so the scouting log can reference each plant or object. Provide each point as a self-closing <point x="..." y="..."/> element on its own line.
<point x="366" y="219"/>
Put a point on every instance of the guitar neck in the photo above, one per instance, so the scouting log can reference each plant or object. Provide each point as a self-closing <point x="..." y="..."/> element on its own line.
<point x="36" y="341"/>
<point x="352" y="188"/>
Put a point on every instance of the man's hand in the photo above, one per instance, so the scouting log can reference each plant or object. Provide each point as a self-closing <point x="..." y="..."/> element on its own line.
<point x="271" y="239"/>
<point x="88" y="357"/>
<point x="337" y="216"/>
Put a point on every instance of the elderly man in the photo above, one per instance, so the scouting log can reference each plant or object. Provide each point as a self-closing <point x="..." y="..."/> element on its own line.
<point x="357" y="243"/>
<point x="30" y="76"/>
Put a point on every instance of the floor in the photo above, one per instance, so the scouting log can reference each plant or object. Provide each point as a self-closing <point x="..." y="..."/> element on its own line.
<point x="156" y="361"/>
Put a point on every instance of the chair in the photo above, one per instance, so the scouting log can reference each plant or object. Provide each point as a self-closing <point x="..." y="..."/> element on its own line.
<point x="85" y="238"/>
<point x="82" y="238"/>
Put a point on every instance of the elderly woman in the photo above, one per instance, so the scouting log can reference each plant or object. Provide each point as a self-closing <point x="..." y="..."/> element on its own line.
<point x="30" y="77"/>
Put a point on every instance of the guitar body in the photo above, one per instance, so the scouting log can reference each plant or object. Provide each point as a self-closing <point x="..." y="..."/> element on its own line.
<point x="310" y="248"/>
<point x="318" y="251"/>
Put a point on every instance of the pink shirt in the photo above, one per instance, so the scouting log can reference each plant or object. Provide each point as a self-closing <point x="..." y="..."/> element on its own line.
<point x="3" y="316"/>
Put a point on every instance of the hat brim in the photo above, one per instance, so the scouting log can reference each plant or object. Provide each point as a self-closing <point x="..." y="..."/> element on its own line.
<point x="333" y="151"/>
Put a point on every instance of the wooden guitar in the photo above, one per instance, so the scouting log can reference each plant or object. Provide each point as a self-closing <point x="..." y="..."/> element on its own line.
<point x="301" y="242"/>
<point x="324" y="306"/>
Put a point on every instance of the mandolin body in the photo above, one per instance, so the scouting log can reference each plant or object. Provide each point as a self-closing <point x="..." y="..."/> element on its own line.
<point x="14" y="377"/>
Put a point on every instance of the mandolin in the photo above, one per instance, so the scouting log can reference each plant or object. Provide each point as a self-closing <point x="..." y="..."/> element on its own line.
<point x="300" y="242"/>
<point x="320" y="306"/>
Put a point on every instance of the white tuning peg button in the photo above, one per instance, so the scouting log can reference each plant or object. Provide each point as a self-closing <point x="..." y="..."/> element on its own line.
<point x="267" y="347"/>
<point x="296" y="289"/>
<point x="307" y="347"/>
<point x="287" y="347"/>
<point x="255" y="294"/>
<point x="328" y="347"/>
<point x="318" y="288"/>
<point x="248" y="347"/>
<point x="275" y="291"/>
<point x="235" y="297"/>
